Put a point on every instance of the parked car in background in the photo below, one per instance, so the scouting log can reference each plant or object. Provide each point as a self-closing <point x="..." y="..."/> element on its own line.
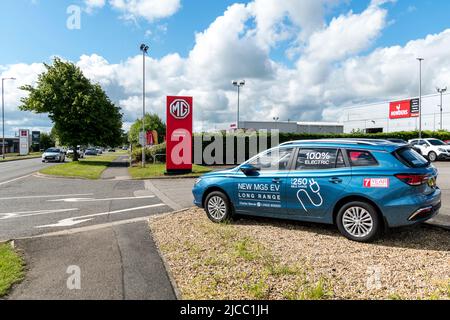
<point x="111" y="150"/>
<point x="361" y="186"/>
<point x="447" y="142"/>
<point x="91" y="152"/>
<point x="99" y="151"/>
<point x="80" y="153"/>
<point x="54" y="155"/>
<point x="433" y="149"/>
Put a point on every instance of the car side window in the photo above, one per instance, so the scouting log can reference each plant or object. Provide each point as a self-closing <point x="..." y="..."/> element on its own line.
<point x="361" y="158"/>
<point x="273" y="160"/>
<point x="318" y="159"/>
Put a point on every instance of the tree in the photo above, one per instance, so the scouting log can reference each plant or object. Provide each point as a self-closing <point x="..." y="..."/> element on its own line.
<point x="81" y="111"/>
<point x="152" y="122"/>
<point x="46" y="141"/>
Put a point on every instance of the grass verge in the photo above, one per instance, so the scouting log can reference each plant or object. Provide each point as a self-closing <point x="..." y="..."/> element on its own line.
<point x="159" y="170"/>
<point x="15" y="157"/>
<point x="11" y="268"/>
<point x="89" y="168"/>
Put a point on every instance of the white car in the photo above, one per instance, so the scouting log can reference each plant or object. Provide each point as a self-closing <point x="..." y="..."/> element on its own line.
<point x="53" y="154"/>
<point x="433" y="149"/>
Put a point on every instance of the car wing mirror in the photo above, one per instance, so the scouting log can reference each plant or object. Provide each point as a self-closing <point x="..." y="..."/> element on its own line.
<point x="249" y="169"/>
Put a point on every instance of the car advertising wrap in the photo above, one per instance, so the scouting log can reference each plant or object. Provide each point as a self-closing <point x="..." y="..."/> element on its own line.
<point x="179" y="133"/>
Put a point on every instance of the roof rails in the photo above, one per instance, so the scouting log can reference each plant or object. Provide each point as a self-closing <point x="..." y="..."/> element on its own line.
<point x="366" y="142"/>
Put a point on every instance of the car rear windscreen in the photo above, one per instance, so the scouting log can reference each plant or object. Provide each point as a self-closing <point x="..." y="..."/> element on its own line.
<point x="412" y="158"/>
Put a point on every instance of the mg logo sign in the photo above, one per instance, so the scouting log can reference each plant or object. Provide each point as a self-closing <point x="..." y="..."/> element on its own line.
<point x="180" y="109"/>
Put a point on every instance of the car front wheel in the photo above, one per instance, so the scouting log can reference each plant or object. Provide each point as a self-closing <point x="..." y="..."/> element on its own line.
<point x="218" y="208"/>
<point x="358" y="221"/>
<point x="432" y="156"/>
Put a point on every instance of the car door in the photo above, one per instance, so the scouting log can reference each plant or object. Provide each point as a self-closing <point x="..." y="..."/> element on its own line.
<point x="423" y="146"/>
<point x="316" y="182"/>
<point x="263" y="191"/>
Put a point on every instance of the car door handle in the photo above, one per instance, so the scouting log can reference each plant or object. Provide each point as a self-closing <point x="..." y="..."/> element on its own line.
<point x="336" y="180"/>
<point x="276" y="180"/>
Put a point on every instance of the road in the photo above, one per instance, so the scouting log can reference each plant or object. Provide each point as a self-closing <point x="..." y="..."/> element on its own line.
<point x="98" y="226"/>
<point x="15" y="169"/>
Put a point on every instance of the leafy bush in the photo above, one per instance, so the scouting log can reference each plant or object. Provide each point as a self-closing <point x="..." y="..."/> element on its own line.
<point x="158" y="151"/>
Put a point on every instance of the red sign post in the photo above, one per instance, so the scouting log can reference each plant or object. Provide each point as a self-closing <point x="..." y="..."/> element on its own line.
<point x="179" y="134"/>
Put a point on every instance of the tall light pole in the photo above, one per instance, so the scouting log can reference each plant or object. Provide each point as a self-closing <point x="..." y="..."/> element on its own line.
<point x="144" y="49"/>
<point x="238" y="84"/>
<point x="441" y="91"/>
<point x="420" y="96"/>
<point x="3" y="114"/>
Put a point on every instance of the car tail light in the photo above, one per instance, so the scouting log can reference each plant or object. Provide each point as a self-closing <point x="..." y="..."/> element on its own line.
<point x="413" y="179"/>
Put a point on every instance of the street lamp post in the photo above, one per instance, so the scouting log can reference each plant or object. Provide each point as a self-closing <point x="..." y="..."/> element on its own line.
<point x="144" y="49"/>
<point x="441" y="91"/>
<point x="238" y="84"/>
<point x="420" y="96"/>
<point x="3" y="114"/>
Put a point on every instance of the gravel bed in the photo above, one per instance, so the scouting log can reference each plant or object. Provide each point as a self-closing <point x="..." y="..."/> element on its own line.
<point x="269" y="259"/>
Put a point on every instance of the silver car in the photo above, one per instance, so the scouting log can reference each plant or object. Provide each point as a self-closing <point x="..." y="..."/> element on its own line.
<point x="53" y="155"/>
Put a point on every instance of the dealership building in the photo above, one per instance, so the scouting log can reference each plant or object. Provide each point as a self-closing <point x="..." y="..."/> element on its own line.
<point x="398" y="115"/>
<point x="293" y="127"/>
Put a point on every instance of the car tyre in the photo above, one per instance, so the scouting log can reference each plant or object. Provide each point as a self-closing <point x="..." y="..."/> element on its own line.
<point x="432" y="156"/>
<point x="218" y="207"/>
<point x="359" y="221"/>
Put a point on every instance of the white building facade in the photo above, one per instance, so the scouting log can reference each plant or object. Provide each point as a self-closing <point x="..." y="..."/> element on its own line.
<point x="398" y="115"/>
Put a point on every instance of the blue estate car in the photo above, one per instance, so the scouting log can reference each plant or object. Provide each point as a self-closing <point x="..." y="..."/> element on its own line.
<point x="362" y="186"/>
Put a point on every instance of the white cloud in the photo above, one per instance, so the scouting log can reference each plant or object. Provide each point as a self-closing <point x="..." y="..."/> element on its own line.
<point x="92" y="5"/>
<point x="336" y="67"/>
<point x="150" y="10"/>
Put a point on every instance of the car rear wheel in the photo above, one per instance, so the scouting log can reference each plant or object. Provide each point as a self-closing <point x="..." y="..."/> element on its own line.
<point x="432" y="156"/>
<point x="218" y="208"/>
<point x="358" y="221"/>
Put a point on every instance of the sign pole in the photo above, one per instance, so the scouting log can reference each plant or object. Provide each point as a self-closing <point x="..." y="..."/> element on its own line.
<point x="420" y="96"/>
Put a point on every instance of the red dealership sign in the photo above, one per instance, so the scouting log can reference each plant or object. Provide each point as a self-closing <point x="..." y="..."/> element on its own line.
<point x="179" y="134"/>
<point x="400" y="109"/>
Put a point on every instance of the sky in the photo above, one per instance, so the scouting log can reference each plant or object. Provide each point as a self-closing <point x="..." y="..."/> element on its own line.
<point x="303" y="60"/>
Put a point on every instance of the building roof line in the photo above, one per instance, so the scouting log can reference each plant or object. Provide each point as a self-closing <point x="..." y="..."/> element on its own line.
<point x="393" y="100"/>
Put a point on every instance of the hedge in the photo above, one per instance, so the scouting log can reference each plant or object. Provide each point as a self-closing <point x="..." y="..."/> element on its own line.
<point x="158" y="150"/>
<point x="263" y="141"/>
<point x="285" y="137"/>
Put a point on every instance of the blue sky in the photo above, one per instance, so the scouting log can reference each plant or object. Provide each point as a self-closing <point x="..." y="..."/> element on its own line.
<point x="35" y="30"/>
<point x="303" y="59"/>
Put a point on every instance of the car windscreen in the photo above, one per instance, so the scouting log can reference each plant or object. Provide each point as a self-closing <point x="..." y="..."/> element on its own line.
<point x="52" y="150"/>
<point x="412" y="158"/>
<point x="437" y="142"/>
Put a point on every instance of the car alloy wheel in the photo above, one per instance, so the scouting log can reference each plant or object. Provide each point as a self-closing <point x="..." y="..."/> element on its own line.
<point x="217" y="207"/>
<point x="432" y="156"/>
<point x="357" y="222"/>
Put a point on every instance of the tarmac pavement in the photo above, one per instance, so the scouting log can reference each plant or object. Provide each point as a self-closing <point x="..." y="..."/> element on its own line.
<point x="100" y="227"/>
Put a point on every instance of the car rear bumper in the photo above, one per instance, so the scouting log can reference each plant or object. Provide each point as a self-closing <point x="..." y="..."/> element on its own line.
<point x="425" y="213"/>
<point x="413" y="209"/>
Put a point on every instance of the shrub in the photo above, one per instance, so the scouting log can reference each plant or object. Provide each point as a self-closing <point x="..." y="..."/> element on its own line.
<point x="158" y="151"/>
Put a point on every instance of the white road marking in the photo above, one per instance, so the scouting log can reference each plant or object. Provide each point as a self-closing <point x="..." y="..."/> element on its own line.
<point x="48" y="196"/>
<point x="23" y="214"/>
<point x="95" y="200"/>
<point x="77" y="220"/>
<point x="23" y="177"/>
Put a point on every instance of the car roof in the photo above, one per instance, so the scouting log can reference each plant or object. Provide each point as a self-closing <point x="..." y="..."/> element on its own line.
<point x="369" y="144"/>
